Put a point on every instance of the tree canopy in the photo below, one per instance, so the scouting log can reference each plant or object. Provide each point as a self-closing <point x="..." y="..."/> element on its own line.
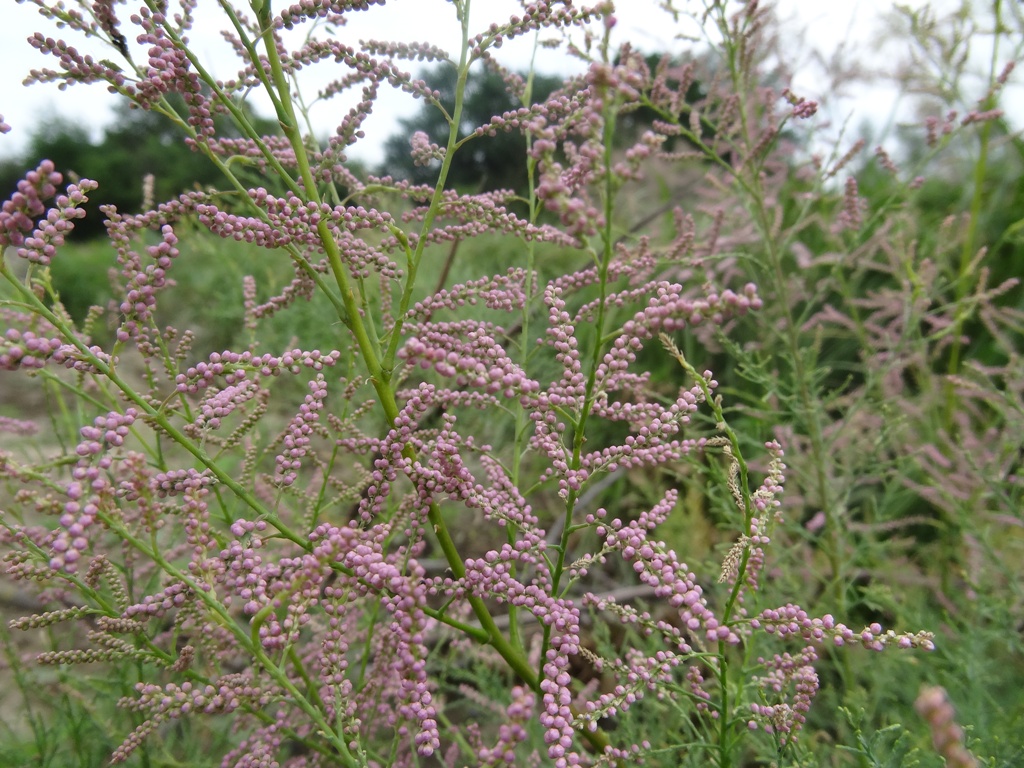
<point x="496" y="163"/>
<point x="137" y="143"/>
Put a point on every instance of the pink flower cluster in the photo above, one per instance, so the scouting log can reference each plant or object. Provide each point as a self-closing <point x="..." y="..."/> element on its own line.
<point x="141" y="284"/>
<point x="402" y="592"/>
<point x="786" y="718"/>
<point x="659" y="568"/>
<point x="19" y="213"/>
<point x="792" y="620"/>
<point x="26" y="349"/>
<point x="297" y="435"/>
<point x="90" y="490"/>
<point x="423" y="151"/>
<point x="160" y="703"/>
<point x="934" y="706"/>
<point x="234" y="367"/>
<point x="74" y="66"/>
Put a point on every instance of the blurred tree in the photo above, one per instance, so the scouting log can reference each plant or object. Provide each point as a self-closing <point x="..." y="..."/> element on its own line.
<point x="135" y="144"/>
<point x="494" y="163"/>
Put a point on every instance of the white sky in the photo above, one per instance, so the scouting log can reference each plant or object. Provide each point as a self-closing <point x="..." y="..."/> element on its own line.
<point x="827" y="25"/>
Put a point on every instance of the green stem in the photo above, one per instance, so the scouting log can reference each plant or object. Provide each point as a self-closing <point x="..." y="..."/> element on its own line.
<point x="795" y="350"/>
<point x="434" y="207"/>
<point x="967" y="251"/>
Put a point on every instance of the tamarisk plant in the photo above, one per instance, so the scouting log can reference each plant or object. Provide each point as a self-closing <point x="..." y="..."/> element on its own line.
<point x="309" y="580"/>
